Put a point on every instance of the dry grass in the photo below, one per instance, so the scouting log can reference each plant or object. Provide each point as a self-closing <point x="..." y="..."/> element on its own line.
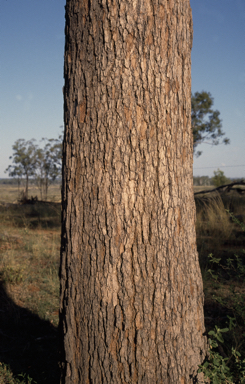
<point x="11" y="193"/>
<point x="29" y="268"/>
<point x="29" y="284"/>
<point x="213" y="220"/>
<point x="202" y="188"/>
<point x="29" y="292"/>
<point x="216" y="232"/>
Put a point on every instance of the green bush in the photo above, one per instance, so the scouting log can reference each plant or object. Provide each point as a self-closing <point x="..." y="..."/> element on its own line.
<point x="219" y="178"/>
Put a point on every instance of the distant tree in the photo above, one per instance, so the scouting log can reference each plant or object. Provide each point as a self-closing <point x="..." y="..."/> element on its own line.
<point x="219" y="178"/>
<point x="39" y="174"/>
<point x="16" y="173"/>
<point x="24" y="161"/>
<point x="206" y="124"/>
<point x="201" y="180"/>
<point x="49" y="162"/>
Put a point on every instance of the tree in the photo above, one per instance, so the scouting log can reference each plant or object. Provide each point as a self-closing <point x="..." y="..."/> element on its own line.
<point x="131" y="287"/>
<point x="206" y="124"/>
<point x="16" y="173"/>
<point x="24" y="161"/>
<point x="201" y="180"/>
<point x="49" y="159"/>
<point x="219" y="178"/>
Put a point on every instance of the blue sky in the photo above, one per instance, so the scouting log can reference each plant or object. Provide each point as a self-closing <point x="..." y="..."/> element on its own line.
<point x="218" y="66"/>
<point x="31" y="75"/>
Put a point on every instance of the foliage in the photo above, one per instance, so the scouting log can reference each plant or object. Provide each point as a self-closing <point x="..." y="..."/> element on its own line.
<point x="41" y="163"/>
<point x="206" y="124"/>
<point x="217" y="367"/>
<point x="219" y="178"/>
<point x="24" y="161"/>
<point x="49" y="163"/>
<point x="7" y="377"/>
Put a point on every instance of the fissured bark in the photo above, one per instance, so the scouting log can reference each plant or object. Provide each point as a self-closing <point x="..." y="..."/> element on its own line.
<point x="131" y="306"/>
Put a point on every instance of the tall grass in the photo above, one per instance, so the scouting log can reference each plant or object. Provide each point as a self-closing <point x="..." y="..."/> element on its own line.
<point x="216" y="232"/>
<point x="213" y="220"/>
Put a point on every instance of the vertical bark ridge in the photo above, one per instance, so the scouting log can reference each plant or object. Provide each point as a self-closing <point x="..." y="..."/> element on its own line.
<point x="131" y="288"/>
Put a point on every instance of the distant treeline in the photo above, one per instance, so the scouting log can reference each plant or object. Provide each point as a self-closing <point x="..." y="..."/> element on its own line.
<point x="14" y="181"/>
<point x="217" y="180"/>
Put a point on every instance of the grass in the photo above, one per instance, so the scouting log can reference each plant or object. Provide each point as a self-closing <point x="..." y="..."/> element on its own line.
<point x="11" y="193"/>
<point x="29" y="266"/>
<point x="29" y="285"/>
<point x="29" y="291"/>
<point x="220" y="242"/>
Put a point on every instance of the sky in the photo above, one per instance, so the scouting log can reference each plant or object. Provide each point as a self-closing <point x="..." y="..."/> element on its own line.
<point x="31" y="75"/>
<point x="218" y="67"/>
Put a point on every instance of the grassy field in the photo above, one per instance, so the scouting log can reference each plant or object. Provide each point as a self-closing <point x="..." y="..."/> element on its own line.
<point x="11" y="194"/>
<point x="29" y="284"/>
<point x="29" y="288"/>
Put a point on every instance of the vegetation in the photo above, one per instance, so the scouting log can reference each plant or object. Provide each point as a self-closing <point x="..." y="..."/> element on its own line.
<point x="10" y="193"/>
<point x="202" y="181"/>
<point x="29" y="286"/>
<point x="220" y="241"/>
<point x="43" y="164"/>
<point x="29" y="291"/>
<point x="49" y="162"/>
<point x="219" y="178"/>
<point x="24" y="161"/>
<point x="206" y="124"/>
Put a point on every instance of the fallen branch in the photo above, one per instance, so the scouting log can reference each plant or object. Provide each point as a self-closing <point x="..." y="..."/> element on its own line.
<point x="225" y="188"/>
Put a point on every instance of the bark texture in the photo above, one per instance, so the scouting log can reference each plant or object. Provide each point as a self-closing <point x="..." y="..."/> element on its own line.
<point x="131" y="306"/>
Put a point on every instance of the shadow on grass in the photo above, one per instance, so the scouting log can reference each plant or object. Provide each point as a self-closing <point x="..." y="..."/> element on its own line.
<point x="39" y="214"/>
<point x="28" y="344"/>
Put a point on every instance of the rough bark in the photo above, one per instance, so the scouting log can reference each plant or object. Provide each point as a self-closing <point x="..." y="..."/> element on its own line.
<point x="131" y="289"/>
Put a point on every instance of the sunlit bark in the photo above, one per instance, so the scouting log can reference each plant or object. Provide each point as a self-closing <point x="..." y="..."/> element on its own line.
<point x="131" y="287"/>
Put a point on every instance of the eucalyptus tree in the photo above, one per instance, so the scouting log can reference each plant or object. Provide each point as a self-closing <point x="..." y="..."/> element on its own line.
<point x="24" y="161"/>
<point x="205" y="121"/>
<point x="131" y="306"/>
<point x="49" y="162"/>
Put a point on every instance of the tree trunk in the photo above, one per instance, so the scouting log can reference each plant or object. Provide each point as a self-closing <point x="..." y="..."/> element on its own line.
<point x="46" y="187"/>
<point x="27" y="186"/>
<point x="131" y="289"/>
